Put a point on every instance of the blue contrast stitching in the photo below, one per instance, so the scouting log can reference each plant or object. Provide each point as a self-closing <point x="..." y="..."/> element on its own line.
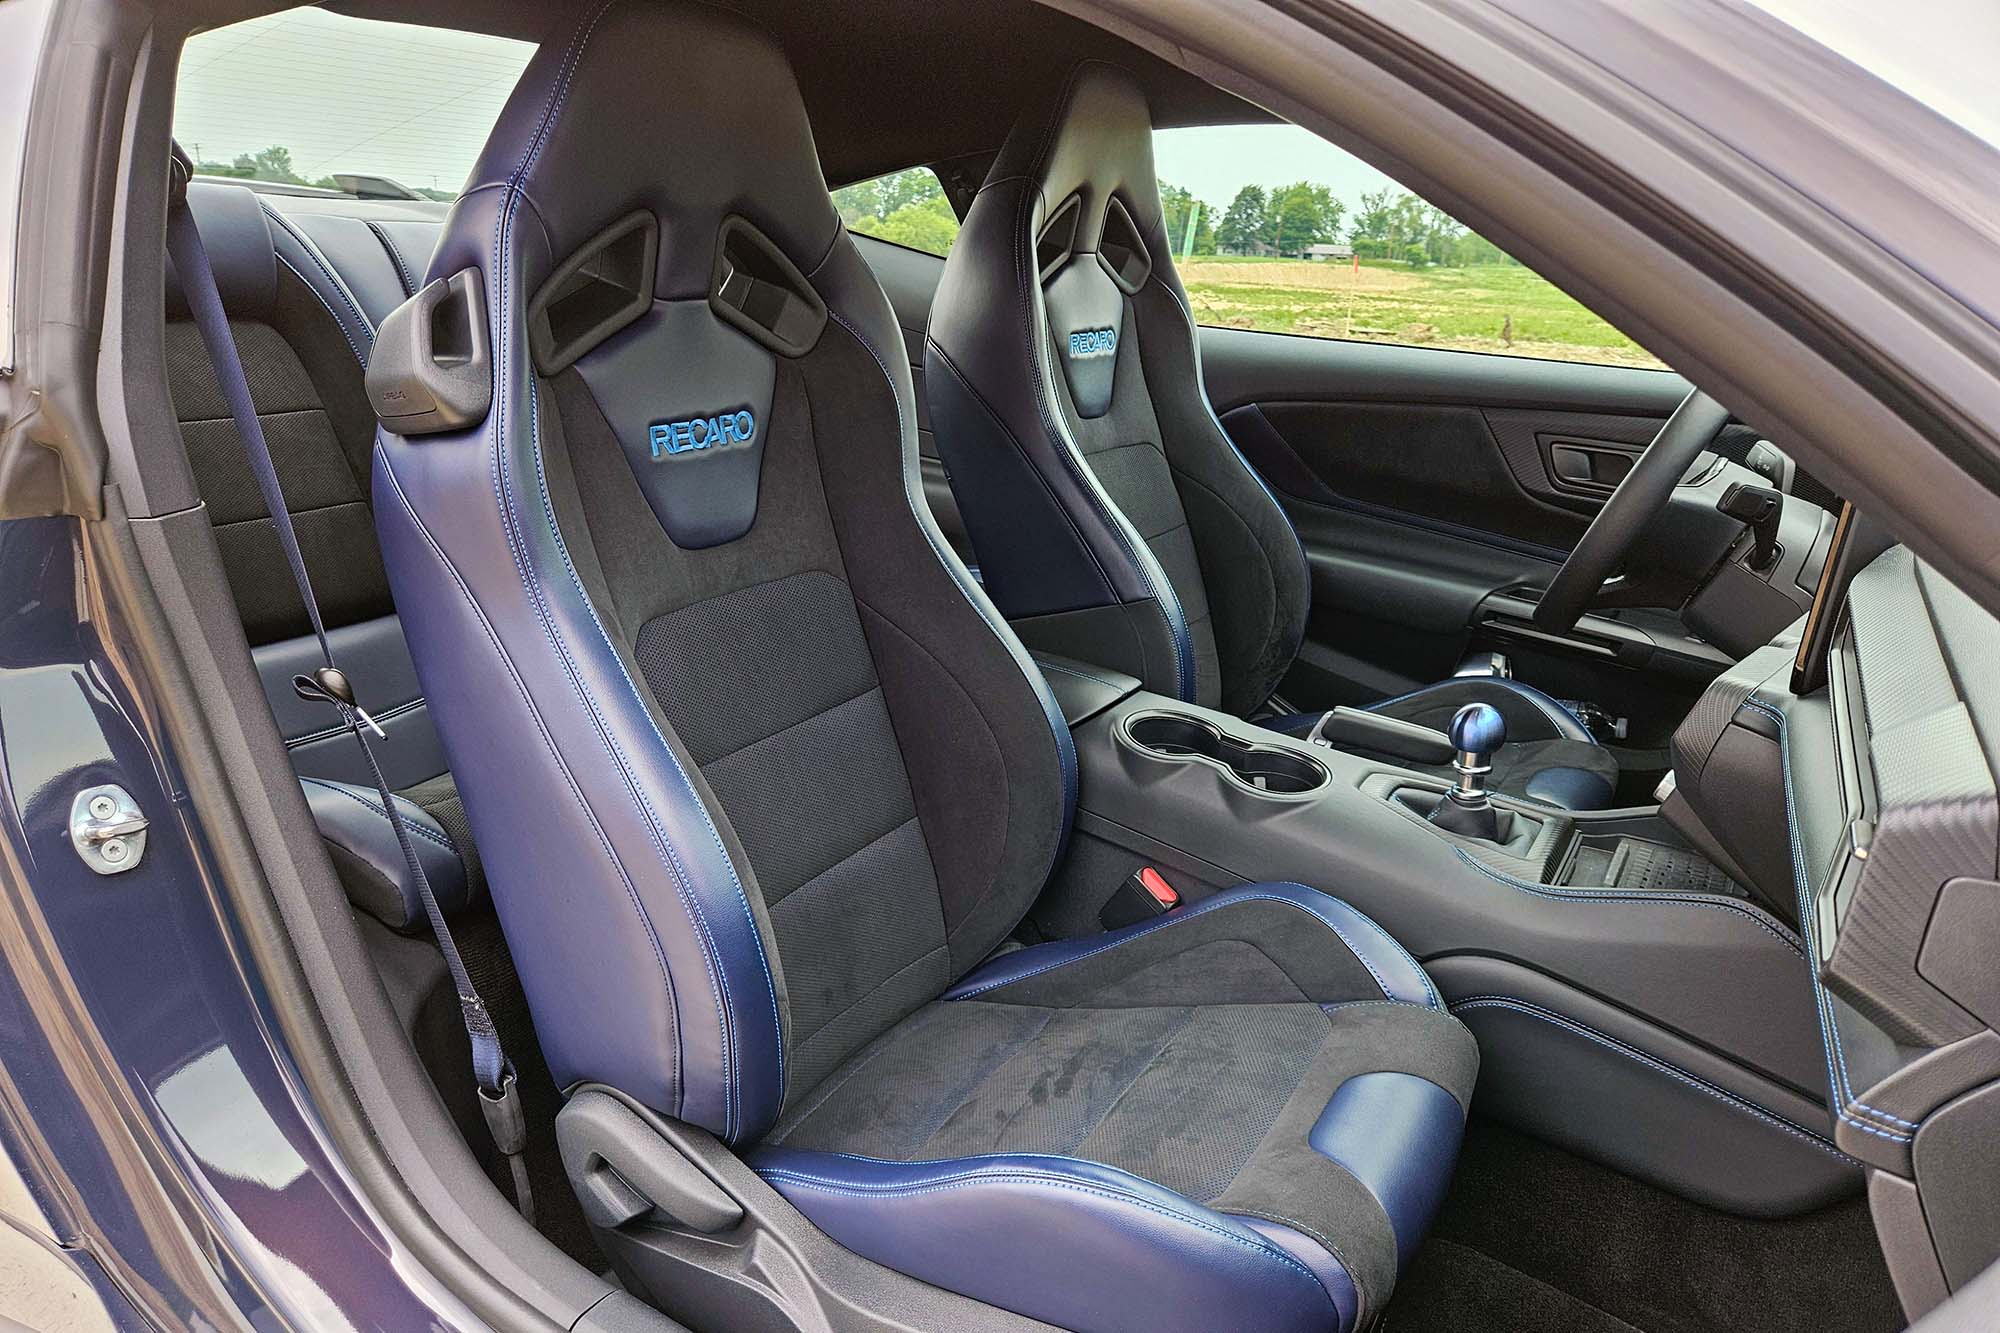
<point x="332" y="314"/>
<point x="1836" y="1057"/>
<point x="378" y="811"/>
<point x="338" y="286"/>
<point x="1599" y="896"/>
<point x="395" y="254"/>
<point x="548" y="742"/>
<point x="1213" y="904"/>
<point x="1672" y="1071"/>
<point x="1058" y="724"/>
<point x="1429" y="989"/>
<point x="1072" y="671"/>
<point x="944" y="1184"/>
<point x="725" y="1014"/>
<point x="662" y="845"/>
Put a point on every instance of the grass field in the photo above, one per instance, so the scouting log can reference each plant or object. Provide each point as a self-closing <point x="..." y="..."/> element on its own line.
<point x="1491" y="308"/>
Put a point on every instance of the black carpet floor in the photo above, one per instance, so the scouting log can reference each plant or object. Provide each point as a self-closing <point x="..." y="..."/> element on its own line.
<point x="1535" y="1238"/>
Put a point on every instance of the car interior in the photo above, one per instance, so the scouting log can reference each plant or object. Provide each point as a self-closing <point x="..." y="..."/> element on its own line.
<point x="973" y="799"/>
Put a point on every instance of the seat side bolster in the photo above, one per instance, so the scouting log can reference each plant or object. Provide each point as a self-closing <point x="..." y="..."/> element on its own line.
<point x="1397" y="975"/>
<point x="1070" y="1242"/>
<point x="1398" y="1134"/>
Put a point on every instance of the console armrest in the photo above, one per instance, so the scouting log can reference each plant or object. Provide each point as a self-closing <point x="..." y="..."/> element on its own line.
<point x="1084" y="689"/>
<point x="1392" y="738"/>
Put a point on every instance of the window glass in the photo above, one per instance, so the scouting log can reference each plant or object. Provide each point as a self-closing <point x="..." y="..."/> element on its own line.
<point x="908" y="208"/>
<point x="308" y="98"/>
<point x="1278" y="230"/>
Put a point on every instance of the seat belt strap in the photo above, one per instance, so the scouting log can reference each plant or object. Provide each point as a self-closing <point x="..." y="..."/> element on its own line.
<point x="499" y="1093"/>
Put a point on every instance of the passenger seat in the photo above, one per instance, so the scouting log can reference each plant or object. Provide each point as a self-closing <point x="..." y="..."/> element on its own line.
<point x="304" y="328"/>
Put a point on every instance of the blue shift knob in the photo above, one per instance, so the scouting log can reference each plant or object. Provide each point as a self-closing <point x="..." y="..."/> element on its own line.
<point x="1477" y="729"/>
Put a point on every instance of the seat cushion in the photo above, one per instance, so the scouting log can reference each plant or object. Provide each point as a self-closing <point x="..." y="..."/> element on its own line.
<point x="1253" y="1102"/>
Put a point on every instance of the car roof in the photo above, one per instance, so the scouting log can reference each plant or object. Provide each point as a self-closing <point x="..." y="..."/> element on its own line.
<point x="864" y="91"/>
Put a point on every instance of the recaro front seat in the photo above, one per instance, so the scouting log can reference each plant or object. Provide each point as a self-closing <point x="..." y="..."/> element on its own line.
<point x="762" y="781"/>
<point x="1113" y="517"/>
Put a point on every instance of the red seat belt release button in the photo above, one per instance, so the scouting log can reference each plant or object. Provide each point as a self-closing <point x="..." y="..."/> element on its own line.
<point x="1163" y="893"/>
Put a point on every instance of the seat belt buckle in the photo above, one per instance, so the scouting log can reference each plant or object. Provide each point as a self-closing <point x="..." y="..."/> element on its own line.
<point x="1143" y="895"/>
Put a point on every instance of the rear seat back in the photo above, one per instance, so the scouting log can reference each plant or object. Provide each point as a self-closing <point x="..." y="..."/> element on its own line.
<point x="304" y="291"/>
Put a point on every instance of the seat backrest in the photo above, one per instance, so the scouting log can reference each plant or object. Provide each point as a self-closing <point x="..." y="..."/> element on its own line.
<point x="304" y="337"/>
<point x="754" y="767"/>
<point x="1113" y="518"/>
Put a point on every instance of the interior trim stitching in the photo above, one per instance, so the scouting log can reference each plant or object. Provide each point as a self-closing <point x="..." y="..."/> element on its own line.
<point x="1673" y="1071"/>
<point x="978" y="1176"/>
<point x="1596" y="896"/>
<point x="329" y="733"/>
<point x="396" y="256"/>
<point x="408" y="821"/>
<point x="1836" y="1057"/>
<point x="1436" y="1001"/>
<point x="339" y="323"/>
<point x="1202" y="910"/>
<point x="548" y="742"/>
<point x="333" y="278"/>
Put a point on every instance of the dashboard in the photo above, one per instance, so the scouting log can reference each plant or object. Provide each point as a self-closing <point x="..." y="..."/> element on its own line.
<point x="1850" y="765"/>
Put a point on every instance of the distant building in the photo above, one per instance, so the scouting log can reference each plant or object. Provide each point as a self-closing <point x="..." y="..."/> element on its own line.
<point x="1327" y="250"/>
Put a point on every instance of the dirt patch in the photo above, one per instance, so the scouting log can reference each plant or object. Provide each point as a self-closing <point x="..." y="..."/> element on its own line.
<point x="1328" y="275"/>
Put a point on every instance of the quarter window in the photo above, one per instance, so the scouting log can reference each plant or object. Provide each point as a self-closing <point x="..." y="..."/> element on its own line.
<point x="907" y="208"/>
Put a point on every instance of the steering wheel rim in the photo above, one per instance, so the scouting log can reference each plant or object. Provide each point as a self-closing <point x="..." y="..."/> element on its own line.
<point x="1642" y="494"/>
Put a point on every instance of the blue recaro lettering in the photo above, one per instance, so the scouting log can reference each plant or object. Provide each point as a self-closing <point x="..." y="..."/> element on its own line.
<point x="699" y="434"/>
<point x="1092" y="342"/>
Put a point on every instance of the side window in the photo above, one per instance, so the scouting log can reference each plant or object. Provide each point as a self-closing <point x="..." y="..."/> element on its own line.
<point x="906" y="208"/>
<point x="1276" y="229"/>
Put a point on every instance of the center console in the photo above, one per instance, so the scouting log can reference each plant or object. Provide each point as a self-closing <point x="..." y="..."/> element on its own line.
<point x="1632" y="1002"/>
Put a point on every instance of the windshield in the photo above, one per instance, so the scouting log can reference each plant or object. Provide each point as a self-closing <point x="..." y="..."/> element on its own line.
<point x="305" y="96"/>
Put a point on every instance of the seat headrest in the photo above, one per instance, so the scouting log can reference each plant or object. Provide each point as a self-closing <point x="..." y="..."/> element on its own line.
<point x="681" y="110"/>
<point x="233" y="231"/>
<point x="1093" y="142"/>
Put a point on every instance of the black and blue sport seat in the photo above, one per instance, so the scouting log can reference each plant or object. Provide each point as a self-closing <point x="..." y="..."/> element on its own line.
<point x="1113" y="517"/>
<point x="763" y="782"/>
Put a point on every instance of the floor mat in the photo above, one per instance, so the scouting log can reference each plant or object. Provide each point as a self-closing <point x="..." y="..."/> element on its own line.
<point x="1532" y="1237"/>
<point x="1451" y="1286"/>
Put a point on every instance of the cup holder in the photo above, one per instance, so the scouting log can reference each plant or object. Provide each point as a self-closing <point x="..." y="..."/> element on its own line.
<point x="1264" y="769"/>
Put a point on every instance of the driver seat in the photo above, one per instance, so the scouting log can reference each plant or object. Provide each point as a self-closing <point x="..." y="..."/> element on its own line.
<point x="763" y="785"/>
<point x="1113" y="517"/>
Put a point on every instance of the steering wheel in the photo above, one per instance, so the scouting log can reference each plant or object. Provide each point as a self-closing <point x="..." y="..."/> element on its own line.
<point x="1642" y="494"/>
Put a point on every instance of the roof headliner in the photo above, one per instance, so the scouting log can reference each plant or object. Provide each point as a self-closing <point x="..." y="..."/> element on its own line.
<point x="864" y="65"/>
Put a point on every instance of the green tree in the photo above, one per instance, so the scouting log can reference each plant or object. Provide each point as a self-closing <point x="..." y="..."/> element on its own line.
<point x="1241" y="230"/>
<point x="1302" y="214"/>
<point x="928" y="225"/>
<point x="1371" y="219"/>
<point x="1175" y="204"/>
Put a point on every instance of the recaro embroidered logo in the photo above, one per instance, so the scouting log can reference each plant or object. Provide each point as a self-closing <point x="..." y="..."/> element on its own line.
<point x="670" y="439"/>
<point x="1092" y="342"/>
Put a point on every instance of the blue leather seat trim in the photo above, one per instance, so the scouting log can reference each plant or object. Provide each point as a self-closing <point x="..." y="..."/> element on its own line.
<point x="1339" y="1283"/>
<point x="1568" y="726"/>
<point x="352" y="817"/>
<point x="1570" y="788"/>
<point x="553" y="745"/>
<point x="1070" y="1242"/>
<point x="1398" y="1135"/>
<point x="1394" y="970"/>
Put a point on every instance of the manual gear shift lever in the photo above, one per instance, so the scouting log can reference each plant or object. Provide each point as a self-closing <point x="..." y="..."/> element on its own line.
<point x="1476" y="732"/>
